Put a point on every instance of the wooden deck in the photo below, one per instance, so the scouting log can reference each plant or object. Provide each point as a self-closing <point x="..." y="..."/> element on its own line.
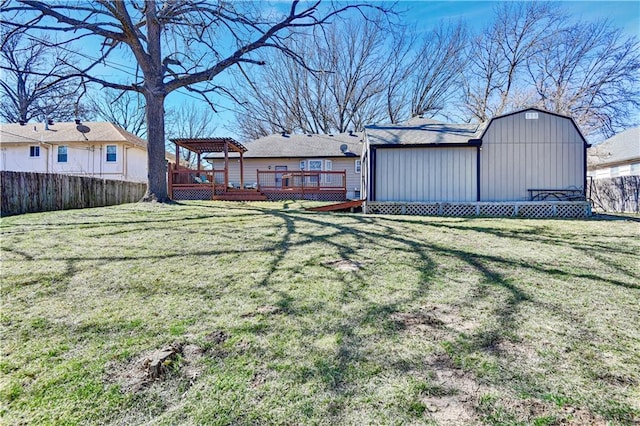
<point x="200" y="184"/>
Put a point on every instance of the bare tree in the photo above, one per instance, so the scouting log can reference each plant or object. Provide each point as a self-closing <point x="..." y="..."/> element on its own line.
<point x="174" y="44"/>
<point x="125" y="108"/>
<point x="190" y="121"/>
<point x="29" y="88"/>
<point x="499" y="55"/>
<point x="437" y="69"/>
<point x="341" y="86"/>
<point x="591" y="72"/>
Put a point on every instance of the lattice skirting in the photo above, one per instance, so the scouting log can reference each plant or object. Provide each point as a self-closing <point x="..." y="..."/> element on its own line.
<point x="565" y="209"/>
<point x="323" y="196"/>
<point x="192" y="194"/>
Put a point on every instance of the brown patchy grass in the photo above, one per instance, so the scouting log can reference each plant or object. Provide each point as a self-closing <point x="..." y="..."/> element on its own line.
<point x="290" y="317"/>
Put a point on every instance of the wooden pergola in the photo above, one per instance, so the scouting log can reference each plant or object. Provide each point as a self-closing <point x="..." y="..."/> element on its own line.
<point x="201" y="146"/>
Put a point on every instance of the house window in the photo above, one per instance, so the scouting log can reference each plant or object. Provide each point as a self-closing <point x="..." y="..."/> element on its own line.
<point x="614" y="171"/>
<point x="34" y="151"/>
<point x="315" y="166"/>
<point x="358" y="166"/>
<point x="635" y="169"/>
<point x="62" y="154"/>
<point x="111" y="153"/>
<point x="328" y="166"/>
<point x="302" y="164"/>
<point x="531" y="116"/>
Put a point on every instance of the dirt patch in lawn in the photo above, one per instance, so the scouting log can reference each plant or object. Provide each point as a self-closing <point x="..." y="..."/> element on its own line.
<point x="173" y="361"/>
<point x="177" y="362"/>
<point x="345" y="265"/>
<point x="445" y="321"/>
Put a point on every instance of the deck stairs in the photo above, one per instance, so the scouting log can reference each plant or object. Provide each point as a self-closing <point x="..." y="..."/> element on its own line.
<point x="241" y="195"/>
<point x="344" y="206"/>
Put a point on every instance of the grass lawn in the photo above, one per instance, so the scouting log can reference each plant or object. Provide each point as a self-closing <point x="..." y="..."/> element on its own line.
<point x="281" y="316"/>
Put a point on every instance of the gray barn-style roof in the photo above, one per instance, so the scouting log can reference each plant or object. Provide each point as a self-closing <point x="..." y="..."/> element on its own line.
<point x="303" y="146"/>
<point x="621" y="148"/>
<point x="422" y="132"/>
<point x="61" y="133"/>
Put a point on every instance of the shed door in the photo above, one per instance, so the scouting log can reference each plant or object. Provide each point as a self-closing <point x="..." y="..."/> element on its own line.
<point x="426" y="174"/>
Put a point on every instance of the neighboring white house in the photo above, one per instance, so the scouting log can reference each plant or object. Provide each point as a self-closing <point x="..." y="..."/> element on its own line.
<point x="295" y="152"/>
<point x="96" y="149"/>
<point x="616" y="157"/>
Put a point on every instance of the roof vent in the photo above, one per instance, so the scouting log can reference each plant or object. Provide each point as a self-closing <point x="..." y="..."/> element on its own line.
<point x="22" y="122"/>
<point x="344" y="148"/>
<point x="284" y="135"/>
<point x="531" y="116"/>
<point x="77" y="121"/>
<point x="331" y="134"/>
<point x="309" y="135"/>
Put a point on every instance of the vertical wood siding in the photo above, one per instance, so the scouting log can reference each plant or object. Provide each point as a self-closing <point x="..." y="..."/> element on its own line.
<point x="24" y="192"/>
<point x="520" y="154"/>
<point x="425" y="174"/>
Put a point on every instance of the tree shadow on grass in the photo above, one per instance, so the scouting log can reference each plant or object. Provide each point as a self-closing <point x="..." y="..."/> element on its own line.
<point x="339" y="371"/>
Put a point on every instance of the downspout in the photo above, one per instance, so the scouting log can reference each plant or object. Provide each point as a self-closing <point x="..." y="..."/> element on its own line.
<point x="478" y="150"/>
<point x="372" y="175"/>
<point x="478" y="144"/>
<point x="584" y="170"/>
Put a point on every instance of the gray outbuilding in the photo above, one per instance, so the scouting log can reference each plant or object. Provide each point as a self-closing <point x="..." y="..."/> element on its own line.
<point x="522" y="157"/>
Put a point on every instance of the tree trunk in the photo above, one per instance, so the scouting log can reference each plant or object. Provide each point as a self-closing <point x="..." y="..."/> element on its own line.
<point x="156" y="161"/>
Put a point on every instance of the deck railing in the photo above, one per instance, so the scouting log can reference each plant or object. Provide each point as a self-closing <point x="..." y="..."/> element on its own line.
<point x="301" y="181"/>
<point x="194" y="179"/>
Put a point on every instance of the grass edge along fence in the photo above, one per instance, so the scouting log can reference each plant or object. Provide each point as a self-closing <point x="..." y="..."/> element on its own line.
<point x="24" y="192"/>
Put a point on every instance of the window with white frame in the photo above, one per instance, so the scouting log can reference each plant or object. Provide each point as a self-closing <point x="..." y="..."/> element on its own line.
<point x="34" y="151"/>
<point x="328" y="166"/>
<point x="358" y="166"/>
<point x="62" y="154"/>
<point x="314" y="166"/>
<point x="112" y="151"/>
<point x="615" y="171"/>
<point x="302" y="164"/>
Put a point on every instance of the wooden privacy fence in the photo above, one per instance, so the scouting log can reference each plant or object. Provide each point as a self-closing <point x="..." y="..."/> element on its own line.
<point x="23" y="192"/>
<point x="618" y="194"/>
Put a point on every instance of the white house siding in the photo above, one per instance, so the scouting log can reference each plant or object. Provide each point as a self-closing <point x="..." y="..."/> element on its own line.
<point x="82" y="160"/>
<point x="520" y="154"/>
<point x="425" y="174"/>
<point x="252" y="165"/>
<point x="15" y="158"/>
<point x="136" y="165"/>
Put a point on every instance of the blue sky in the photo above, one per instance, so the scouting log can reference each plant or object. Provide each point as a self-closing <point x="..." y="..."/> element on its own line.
<point x="425" y="15"/>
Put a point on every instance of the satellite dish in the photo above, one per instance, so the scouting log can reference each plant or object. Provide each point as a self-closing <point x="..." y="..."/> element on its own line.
<point x="82" y="128"/>
<point x="344" y="148"/>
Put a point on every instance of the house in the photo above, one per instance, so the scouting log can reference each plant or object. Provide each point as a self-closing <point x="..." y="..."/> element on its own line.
<point x="614" y="173"/>
<point x="617" y="156"/>
<point x="95" y="149"/>
<point x="522" y="163"/>
<point x="275" y="163"/>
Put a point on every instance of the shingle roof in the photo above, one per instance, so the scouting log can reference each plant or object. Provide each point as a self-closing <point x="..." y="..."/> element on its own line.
<point x="297" y="145"/>
<point x="59" y="133"/>
<point x="622" y="147"/>
<point x="426" y="132"/>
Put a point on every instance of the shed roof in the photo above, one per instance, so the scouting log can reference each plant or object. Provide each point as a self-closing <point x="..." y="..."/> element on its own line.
<point x="304" y="146"/>
<point x="427" y="132"/>
<point x="623" y="147"/>
<point x="68" y="132"/>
